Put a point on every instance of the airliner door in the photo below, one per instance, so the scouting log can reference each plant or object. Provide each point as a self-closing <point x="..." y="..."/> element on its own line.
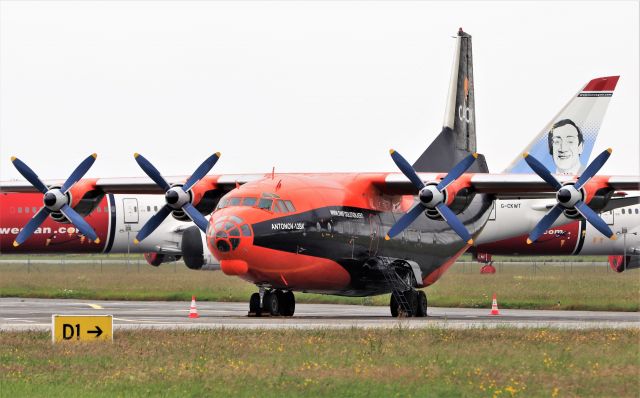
<point x="492" y="215"/>
<point x="130" y="210"/>
<point x="607" y="217"/>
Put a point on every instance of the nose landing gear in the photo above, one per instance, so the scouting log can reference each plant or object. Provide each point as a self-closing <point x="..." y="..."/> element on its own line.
<point x="273" y="303"/>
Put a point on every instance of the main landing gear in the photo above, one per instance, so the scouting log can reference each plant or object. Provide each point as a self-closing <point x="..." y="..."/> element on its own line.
<point x="410" y="303"/>
<point x="274" y="303"/>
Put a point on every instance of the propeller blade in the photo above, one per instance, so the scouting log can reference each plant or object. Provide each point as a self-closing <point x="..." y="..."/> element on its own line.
<point x="151" y="171"/>
<point x="153" y="223"/>
<point x="196" y="217"/>
<point x="544" y="224"/>
<point x="29" y="174"/>
<point x="594" y="219"/>
<point x="79" y="172"/>
<point x="405" y="221"/>
<point x="80" y="223"/>
<point x="457" y="171"/>
<point x="406" y="169"/>
<point x="454" y="222"/>
<point x="201" y="171"/>
<point x="31" y="226"/>
<point x="593" y="168"/>
<point x="542" y="171"/>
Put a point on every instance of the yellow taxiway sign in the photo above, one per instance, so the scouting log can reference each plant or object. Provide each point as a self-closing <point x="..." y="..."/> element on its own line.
<point x="81" y="328"/>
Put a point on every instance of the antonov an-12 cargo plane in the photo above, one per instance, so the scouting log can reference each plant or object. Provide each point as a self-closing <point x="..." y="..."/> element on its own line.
<point x="351" y="234"/>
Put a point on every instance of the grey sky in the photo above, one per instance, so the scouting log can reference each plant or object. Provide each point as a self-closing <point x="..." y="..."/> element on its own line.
<point x="302" y="86"/>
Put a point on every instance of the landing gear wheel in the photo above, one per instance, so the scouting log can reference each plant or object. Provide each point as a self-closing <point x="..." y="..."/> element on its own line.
<point x="271" y="303"/>
<point x="288" y="304"/>
<point x="393" y="305"/>
<point x="412" y="299"/>
<point x="254" y="304"/>
<point x="422" y="304"/>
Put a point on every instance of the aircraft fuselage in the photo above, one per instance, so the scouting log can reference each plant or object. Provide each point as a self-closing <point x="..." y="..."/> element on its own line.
<point x="331" y="240"/>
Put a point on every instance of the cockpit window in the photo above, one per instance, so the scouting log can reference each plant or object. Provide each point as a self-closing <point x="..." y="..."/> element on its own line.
<point x="223" y="203"/>
<point x="280" y="207"/>
<point x="249" y="201"/>
<point x="265" y="204"/>
<point x="289" y="206"/>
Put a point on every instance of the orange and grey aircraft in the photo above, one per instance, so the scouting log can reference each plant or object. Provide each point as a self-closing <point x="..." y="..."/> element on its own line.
<point x="350" y="234"/>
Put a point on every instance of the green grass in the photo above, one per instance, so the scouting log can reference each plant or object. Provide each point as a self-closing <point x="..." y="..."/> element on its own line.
<point x="345" y="363"/>
<point x="576" y="287"/>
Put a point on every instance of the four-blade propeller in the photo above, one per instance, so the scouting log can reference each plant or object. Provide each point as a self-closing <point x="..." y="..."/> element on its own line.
<point x="177" y="197"/>
<point x="569" y="196"/>
<point x="55" y="200"/>
<point x="432" y="196"/>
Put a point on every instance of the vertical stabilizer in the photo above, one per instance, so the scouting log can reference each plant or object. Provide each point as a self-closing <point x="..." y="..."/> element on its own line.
<point x="458" y="136"/>
<point x="564" y="145"/>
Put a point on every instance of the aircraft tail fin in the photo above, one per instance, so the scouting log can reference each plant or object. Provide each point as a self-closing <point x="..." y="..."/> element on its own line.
<point x="565" y="144"/>
<point x="458" y="136"/>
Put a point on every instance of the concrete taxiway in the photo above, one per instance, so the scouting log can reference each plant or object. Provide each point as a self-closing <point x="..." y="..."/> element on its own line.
<point x="35" y="314"/>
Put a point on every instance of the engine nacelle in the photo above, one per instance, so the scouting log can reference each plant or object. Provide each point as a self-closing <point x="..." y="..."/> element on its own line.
<point x="156" y="259"/>
<point x="195" y="252"/>
<point x="619" y="263"/>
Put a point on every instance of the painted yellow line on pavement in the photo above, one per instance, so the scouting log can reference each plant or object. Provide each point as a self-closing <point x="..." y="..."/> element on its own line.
<point x="95" y="306"/>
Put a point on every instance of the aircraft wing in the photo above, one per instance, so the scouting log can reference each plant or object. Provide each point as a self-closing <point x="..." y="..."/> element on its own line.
<point x="138" y="185"/>
<point x="506" y="186"/>
<point x="503" y="186"/>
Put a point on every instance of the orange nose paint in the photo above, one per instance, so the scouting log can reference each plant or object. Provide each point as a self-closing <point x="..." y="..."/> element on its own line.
<point x="234" y="267"/>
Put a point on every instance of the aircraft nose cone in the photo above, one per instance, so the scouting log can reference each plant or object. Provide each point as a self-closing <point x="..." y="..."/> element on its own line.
<point x="172" y="197"/>
<point x="49" y="199"/>
<point x="564" y="196"/>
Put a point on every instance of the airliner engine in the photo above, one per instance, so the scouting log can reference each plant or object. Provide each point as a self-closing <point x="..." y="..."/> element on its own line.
<point x="194" y="251"/>
<point x="620" y="263"/>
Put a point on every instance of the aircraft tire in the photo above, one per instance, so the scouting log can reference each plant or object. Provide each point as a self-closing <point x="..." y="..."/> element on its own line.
<point x="254" y="304"/>
<point x="422" y="304"/>
<point x="393" y="305"/>
<point x="412" y="298"/>
<point x="271" y="303"/>
<point x="288" y="304"/>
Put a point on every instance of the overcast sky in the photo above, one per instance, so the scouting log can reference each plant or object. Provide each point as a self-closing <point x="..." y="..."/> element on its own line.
<point x="302" y="86"/>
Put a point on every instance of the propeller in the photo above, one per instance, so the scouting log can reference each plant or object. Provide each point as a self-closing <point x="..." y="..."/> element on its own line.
<point x="432" y="196"/>
<point x="55" y="200"/>
<point x="569" y="196"/>
<point x="177" y="197"/>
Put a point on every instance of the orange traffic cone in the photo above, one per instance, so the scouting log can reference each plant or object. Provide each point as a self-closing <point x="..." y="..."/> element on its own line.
<point x="193" y="311"/>
<point x="494" y="306"/>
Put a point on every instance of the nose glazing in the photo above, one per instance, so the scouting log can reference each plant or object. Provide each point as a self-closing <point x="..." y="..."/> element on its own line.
<point x="227" y="233"/>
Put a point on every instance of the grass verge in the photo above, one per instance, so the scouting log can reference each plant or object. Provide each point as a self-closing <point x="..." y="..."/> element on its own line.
<point x="538" y="285"/>
<point x="346" y="363"/>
